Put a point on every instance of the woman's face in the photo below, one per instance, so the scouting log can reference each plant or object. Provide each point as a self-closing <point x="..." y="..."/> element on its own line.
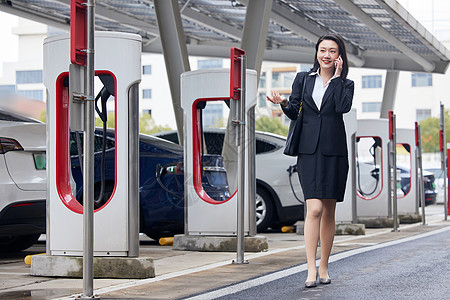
<point x="327" y="53"/>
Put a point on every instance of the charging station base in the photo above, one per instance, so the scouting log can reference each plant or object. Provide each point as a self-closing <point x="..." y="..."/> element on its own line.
<point x="377" y="222"/>
<point x="340" y="229"/>
<point x="104" y="267"/>
<point x="350" y="229"/>
<point x="409" y="218"/>
<point x="255" y="243"/>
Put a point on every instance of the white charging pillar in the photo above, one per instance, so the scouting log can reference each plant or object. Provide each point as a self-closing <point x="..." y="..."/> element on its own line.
<point x="116" y="223"/>
<point x="206" y="216"/>
<point x="375" y="203"/>
<point x="345" y="210"/>
<point x="406" y="197"/>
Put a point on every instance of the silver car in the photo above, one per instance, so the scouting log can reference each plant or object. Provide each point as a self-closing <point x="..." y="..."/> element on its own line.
<point x="22" y="181"/>
<point x="279" y="198"/>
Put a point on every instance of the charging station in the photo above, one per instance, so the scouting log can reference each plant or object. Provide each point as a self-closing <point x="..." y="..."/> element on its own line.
<point x="372" y="180"/>
<point x="407" y="184"/>
<point x="206" y="216"/>
<point x="345" y="210"/>
<point x="116" y="221"/>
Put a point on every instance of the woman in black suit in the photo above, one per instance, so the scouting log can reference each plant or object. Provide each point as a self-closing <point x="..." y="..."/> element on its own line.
<point x="322" y="161"/>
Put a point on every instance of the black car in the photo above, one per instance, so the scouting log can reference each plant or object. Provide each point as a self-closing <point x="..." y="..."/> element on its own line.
<point x="428" y="184"/>
<point x="161" y="180"/>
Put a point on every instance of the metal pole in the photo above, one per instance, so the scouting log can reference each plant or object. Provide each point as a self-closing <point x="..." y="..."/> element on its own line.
<point x="88" y="162"/>
<point x="251" y="167"/>
<point x="394" y="174"/>
<point x="444" y="159"/>
<point x="241" y="168"/>
<point x="420" y="183"/>
<point x="417" y="178"/>
<point x="353" y="176"/>
<point x="389" y="174"/>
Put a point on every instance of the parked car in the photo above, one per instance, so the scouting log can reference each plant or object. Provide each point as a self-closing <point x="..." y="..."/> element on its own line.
<point x="439" y="180"/>
<point x="22" y="181"/>
<point x="368" y="183"/>
<point x="276" y="203"/>
<point x="161" y="180"/>
<point x="428" y="183"/>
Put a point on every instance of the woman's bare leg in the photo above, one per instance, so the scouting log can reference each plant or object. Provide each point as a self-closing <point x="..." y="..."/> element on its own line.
<point x="327" y="229"/>
<point x="312" y="230"/>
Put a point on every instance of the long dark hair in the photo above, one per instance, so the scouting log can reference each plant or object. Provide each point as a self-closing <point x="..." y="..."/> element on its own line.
<point x="342" y="52"/>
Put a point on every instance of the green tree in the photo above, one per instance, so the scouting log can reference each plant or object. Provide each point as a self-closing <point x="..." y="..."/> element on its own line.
<point x="274" y="125"/>
<point x="43" y="116"/>
<point x="429" y="130"/>
<point x="146" y="124"/>
<point x="110" y="120"/>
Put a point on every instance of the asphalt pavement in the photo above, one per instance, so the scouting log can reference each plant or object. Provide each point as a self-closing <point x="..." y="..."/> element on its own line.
<point x="416" y="267"/>
<point x="412" y="263"/>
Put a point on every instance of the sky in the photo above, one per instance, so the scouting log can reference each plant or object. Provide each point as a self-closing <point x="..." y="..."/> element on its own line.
<point x="423" y="10"/>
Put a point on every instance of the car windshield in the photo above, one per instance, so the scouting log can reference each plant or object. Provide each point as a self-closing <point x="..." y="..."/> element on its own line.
<point x="7" y="116"/>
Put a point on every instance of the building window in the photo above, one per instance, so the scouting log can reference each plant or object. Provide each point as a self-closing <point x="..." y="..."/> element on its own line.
<point x="305" y="68"/>
<point x="7" y="89"/>
<point x="147" y="111"/>
<point x="212" y="114"/>
<point x="371" y="107"/>
<point x="282" y="79"/>
<point x="371" y="81"/>
<point x="34" y="76"/>
<point x="209" y="63"/>
<point x="262" y="80"/>
<point x="147" y="94"/>
<point x="421" y="79"/>
<point x="147" y="70"/>
<point x="422" y="114"/>
<point x="262" y="100"/>
<point x="32" y="94"/>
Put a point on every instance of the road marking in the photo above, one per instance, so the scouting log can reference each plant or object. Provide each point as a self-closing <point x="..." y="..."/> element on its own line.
<point x="138" y="282"/>
<point x="300" y="268"/>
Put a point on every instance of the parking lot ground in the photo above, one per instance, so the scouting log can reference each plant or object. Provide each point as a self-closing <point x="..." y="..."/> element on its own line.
<point x="183" y="273"/>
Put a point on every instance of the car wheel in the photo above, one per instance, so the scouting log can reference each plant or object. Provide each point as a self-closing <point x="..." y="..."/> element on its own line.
<point x="18" y="243"/>
<point x="264" y="210"/>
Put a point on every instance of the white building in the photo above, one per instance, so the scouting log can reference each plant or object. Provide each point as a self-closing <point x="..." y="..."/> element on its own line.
<point x="24" y="78"/>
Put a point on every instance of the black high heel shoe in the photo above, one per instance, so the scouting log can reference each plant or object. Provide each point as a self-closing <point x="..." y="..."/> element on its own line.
<point x="311" y="284"/>
<point x="325" y="280"/>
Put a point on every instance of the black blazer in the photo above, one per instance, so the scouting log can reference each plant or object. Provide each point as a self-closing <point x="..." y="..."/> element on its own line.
<point x="324" y="126"/>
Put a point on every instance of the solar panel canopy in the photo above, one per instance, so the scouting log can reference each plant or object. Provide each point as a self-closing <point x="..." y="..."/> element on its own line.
<point x="379" y="34"/>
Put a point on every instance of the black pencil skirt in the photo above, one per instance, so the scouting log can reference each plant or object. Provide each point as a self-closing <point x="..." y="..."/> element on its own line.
<point x="321" y="176"/>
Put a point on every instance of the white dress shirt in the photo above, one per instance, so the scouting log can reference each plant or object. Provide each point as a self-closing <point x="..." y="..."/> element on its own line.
<point x="319" y="88"/>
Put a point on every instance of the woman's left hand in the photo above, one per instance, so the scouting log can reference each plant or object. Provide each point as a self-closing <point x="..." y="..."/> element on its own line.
<point x="338" y="63"/>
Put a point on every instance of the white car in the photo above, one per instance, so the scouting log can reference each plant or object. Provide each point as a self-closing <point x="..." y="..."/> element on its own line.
<point x="278" y="202"/>
<point x="22" y="181"/>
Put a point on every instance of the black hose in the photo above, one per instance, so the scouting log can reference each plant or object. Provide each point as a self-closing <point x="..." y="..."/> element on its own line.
<point x="79" y="150"/>
<point x="291" y="170"/>
<point x="104" y="94"/>
<point x="372" y="152"/>
<point x="158" y="173"/>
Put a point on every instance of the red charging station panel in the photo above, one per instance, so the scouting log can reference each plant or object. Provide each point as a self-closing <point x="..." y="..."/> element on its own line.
<point x="78" y="32"/>
<point x="448" y="186"/>
<point x="235" y="73"/>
